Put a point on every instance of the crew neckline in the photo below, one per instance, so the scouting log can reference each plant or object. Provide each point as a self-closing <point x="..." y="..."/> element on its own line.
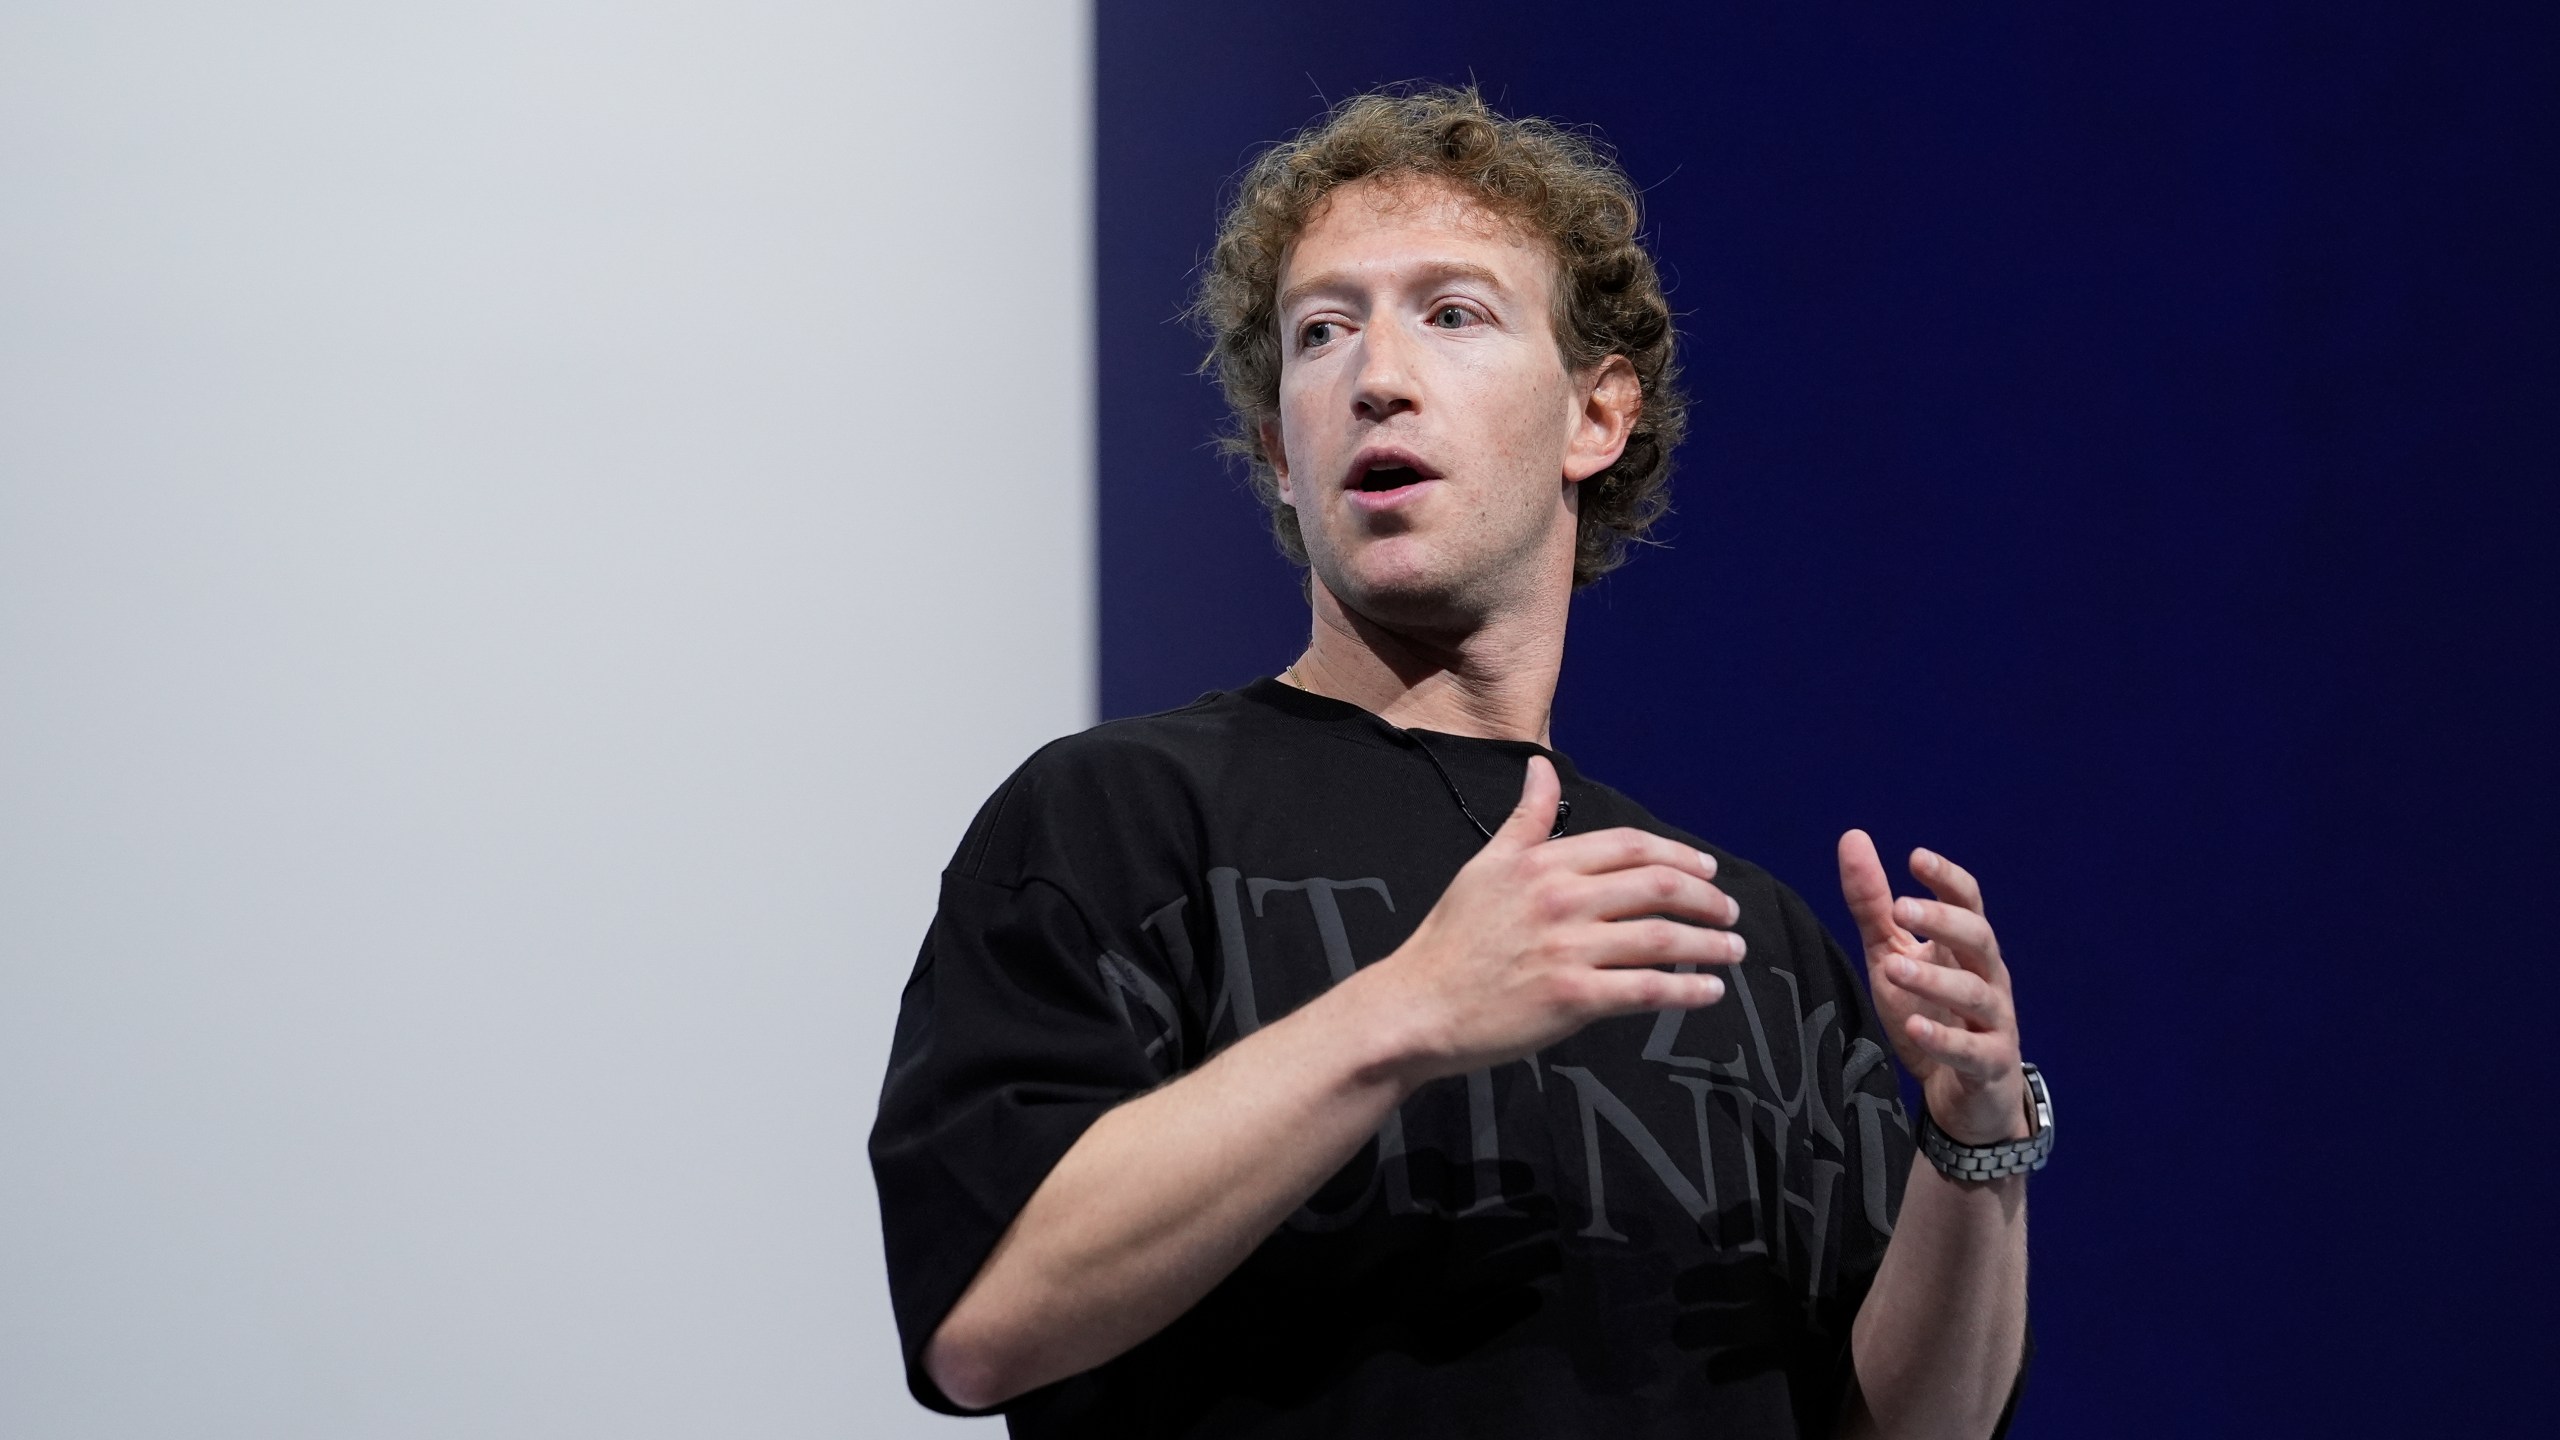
<point x="1274" y="693"/>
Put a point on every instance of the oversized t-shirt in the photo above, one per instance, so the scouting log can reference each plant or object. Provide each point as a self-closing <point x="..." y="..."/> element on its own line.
<point x="1661" y="1225"/>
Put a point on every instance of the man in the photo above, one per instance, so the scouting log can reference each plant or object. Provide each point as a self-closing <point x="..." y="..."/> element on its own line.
<point x="1329" y="1057"/>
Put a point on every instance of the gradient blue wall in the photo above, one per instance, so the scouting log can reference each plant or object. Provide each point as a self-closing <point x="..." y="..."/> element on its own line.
<point x="2123" y="461"/>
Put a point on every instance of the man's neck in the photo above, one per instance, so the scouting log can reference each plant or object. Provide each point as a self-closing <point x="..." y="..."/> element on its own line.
<point x="1496" y="680"/>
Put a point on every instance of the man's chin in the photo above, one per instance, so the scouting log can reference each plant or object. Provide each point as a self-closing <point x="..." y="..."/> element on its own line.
<point x="1405" y="596"/>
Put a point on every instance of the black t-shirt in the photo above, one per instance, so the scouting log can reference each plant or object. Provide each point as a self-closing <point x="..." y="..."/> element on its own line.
<point x="1661" y="1225"/>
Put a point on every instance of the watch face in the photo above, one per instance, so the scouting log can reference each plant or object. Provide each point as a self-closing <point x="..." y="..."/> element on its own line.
<point x="2039" y="1109"/>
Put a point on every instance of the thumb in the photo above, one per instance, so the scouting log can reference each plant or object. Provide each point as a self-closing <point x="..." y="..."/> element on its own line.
<point x="1534" y="818"/>
<point x="1863" y="885"/>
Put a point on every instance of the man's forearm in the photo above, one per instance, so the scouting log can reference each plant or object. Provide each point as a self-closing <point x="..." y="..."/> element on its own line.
<point x="1164" y="1196"/>
<point x="1938" y="1341"/>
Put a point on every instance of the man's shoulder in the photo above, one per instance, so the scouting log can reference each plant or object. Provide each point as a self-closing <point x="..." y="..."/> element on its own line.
<point x="1161" y="747"/>
<point x="1213" y="719"/>
<point x="1108" y="782"/>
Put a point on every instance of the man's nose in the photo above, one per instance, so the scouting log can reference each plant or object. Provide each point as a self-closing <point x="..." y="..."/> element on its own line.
<point x="1386" y="383"/>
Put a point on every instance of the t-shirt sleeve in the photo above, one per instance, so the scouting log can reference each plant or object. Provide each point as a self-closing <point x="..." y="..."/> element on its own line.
<point x="1021" y="1024"/>
<point x="1875" y="1131"/>
<point x="1862" y="1150"/>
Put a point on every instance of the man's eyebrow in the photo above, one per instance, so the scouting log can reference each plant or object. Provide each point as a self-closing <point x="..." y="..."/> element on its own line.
<point x="1433" y="273"/>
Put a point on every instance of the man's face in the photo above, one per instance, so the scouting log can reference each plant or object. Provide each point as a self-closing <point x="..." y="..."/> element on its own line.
<point x="1429" y="435"/>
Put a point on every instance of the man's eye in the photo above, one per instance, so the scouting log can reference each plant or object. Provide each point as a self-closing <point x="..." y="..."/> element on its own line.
<point x="1450" y="317"/>
<point x="1316" y="333"/>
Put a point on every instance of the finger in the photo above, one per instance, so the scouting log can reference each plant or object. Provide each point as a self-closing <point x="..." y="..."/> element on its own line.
<point x="1968" y="998"/>
<point x="1603" y="851"/>
<point x="1962" y="932"/>
<point x="1621" y="992"/>
<point x="1653" y="890"/>
<point x="1658" y="942"/>
<point x="1534" y="818"/>
<point x="1894" y="999"/>
<point x="1862" y="884"/>
<point x="1947" y="880"/>
<point x="1970" y="1053"/>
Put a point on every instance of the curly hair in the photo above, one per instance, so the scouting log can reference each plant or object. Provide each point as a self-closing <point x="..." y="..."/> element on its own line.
<point x="1558" y="185"/>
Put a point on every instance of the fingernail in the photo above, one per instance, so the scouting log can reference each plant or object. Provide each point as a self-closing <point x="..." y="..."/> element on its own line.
<point x="1709" y="862"/>
<point x="1906" y="909"/>
<point x="1715" y="989"/>
<point x="1924" y="859"/>
<point x="1740" y="946"/>
<point x="1902" y="968"/>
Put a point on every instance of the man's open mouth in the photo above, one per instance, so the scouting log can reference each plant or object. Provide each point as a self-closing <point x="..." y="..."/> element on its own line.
<point x="1385" y="469"/>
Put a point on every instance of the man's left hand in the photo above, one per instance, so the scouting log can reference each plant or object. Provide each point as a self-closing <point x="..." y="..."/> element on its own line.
<point x="1940" y="987"/>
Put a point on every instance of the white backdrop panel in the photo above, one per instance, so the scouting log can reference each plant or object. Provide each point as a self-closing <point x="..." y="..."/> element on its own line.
<point x="525" y="531"/>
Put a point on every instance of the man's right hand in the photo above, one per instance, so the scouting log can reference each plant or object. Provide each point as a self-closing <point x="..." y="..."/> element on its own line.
<point x="1536" y="938"/>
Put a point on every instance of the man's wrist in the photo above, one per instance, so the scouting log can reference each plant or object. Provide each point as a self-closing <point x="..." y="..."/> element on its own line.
<point x="1993" y="1124"/>
<point x="1385" y="1040"/>
<point x="2025" y="1148"/>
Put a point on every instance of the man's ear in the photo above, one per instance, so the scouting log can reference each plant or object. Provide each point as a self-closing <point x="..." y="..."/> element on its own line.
<point x="1277" y="456"/>
<point x="1612" y="398"/>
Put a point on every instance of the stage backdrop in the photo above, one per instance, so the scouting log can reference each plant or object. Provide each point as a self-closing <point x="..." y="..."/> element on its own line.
<point x="2123" y="461"/>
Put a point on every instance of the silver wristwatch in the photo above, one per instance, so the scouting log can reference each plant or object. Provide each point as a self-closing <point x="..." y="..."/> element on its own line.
<point x="1993" y="1162"/>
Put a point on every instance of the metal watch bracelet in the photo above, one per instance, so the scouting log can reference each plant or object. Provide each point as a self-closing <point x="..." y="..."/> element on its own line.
<point x="1994" y="1162"/>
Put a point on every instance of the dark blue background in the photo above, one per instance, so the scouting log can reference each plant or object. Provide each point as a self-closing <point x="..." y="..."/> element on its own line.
<point x="2123" y="460"/>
